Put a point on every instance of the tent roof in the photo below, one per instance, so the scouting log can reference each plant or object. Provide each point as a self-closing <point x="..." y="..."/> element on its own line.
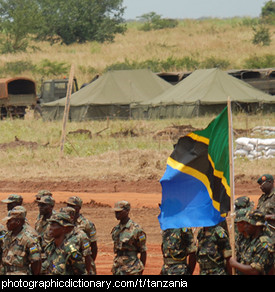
<point x="118" y="87"/>
<point x="210" y="86"/>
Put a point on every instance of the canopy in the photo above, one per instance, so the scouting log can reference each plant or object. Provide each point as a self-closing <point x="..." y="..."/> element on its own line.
<point x="110" y="95"/>
<point x="204" y="91"/>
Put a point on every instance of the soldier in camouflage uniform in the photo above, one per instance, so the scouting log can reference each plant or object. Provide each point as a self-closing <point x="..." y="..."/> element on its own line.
<point x="256" y="258"/>
<point x="87" y="226"/>
<point x="62" y="255"/>
<point x="266" y="203"/>
<point x="21" y="251"/>
<point x="79" y="238"/>
<point x="177" y="245"/>
<point x="41" y="194"/>
<point x="129" y="240"/>
<point x="214" y="251"/>
<point x="46" y="205"/>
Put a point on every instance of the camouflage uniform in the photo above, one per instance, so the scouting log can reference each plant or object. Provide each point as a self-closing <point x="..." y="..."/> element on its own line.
<point x="177" y="244"/>
<point x="129" y="240"/>
<point x="42" y="224"/>
<point x="213" y="249"/>
<point x="77" y="236"/>
<point x="19" y="251"/>
<point x="86" y="225"/>
<point x="65" y="259"/>
<point x="258" y="252"/>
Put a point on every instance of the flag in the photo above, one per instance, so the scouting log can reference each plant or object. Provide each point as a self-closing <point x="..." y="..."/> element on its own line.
<point x="196" y="183"/>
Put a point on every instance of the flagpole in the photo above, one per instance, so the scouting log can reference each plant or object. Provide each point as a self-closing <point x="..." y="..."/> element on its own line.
<point x="232" y="184"/>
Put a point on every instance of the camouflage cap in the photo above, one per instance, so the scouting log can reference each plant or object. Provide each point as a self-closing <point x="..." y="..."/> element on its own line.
<point x="16" y="213"/>
<point x="47" y="200"/>
<point x="69" y="211"/>
<point x="265" y="177"/>
<point x="61" y="218"/>
<point x="122" y="205"/>
<point x="243" y="202"/>
<point x="42" y="193"/>
<point x="255" y="218"/>
<point x="240" y="214"/>
<point x="13" y="198"/>
<point x="74" y="201"/>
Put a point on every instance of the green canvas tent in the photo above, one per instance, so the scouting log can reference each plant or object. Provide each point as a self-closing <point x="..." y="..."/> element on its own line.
<point x="109" y="96"/>
<point x="204" y="91"/>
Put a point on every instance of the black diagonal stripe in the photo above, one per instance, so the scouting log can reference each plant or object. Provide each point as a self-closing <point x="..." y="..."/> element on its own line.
<point x="195" y="155"/>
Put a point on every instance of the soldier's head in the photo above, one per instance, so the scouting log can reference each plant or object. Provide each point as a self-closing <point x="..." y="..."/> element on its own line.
<point x="71" y="212"/>
<point x="12" y="201"/>
<point x="255" y="222"/>
<point x="42" y="193"/>
<point x="76" y="203"/>
<point x="240" y="220"/>
<point x="243" y="202"/>
<point x="45" y="205"/>
<point x="122" y="209"/>
<point x="266" y="182"/>
<point x="58" y="223"/>
<point x="15" y="219"/>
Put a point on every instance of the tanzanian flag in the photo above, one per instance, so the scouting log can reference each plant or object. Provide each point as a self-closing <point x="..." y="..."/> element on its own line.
<point x="196" y="183"/>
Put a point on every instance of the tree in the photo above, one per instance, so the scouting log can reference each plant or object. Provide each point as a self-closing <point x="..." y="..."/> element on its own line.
<point x="18" y="21"/>
<point x="153" y="21"/>
<point x="268" y="12"/>
<point x="79" y="21"/>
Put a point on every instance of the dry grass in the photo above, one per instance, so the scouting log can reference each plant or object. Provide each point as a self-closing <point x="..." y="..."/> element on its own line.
<point x="108" y="155"/>
<point x="226" y="39"/>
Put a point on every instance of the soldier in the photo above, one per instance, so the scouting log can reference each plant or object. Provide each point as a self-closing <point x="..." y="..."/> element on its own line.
<point x="79" y="238"/>
<point x="213" y="251"/>
<point x="266" y="203"/>
<point x="21" y="251"/>
<point x="256" y="257"/>
<point x="46" y="205"/>
<point x="87" y="226"/>
<point x="12" y="201"/>
<point x="243" y="203"/>
<point x="129" y="240"/>
<point x="62" y="256"/>
<point x="177" y="245"/>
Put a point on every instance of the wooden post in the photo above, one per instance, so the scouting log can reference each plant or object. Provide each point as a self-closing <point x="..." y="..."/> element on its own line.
<point x="232" y="183"/>
<point x="66" y="110"/>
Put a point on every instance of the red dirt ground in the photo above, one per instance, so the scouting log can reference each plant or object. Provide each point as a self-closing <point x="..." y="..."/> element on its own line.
<point x="99" y="198"/>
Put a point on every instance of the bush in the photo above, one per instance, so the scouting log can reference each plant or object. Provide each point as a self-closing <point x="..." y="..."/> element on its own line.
<point x="261" y="36"/>
<point x="266" y="61"/>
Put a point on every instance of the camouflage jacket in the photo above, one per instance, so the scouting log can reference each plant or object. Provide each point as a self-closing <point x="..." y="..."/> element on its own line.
<point x="87" y="226"/>
<point x="129" y="240"/>
<point x="266" y="204"/>
<point x="213" y="248"/>
<point x="65" y="259"/>
<point x="19" y="252"/>
<point x="177" y="244"/>
<point x="258" y="254"/>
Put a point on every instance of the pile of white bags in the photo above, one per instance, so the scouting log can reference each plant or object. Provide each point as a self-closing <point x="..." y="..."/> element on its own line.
<point x="254" y="148"/>
<point x="266" y="131"/>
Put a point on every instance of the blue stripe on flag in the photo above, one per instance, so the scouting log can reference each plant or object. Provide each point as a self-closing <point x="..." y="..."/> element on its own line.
<point x="185" y="202"/>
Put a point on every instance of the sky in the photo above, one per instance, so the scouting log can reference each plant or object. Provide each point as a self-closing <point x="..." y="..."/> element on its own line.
<point x="193" y="8"/>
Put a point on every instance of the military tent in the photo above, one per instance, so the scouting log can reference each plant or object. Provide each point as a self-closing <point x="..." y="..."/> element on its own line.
<point x="204" y="91"/>
<point x="110" y="95"/>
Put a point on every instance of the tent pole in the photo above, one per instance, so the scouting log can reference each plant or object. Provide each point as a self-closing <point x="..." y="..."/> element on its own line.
<point x="66" y="110"/>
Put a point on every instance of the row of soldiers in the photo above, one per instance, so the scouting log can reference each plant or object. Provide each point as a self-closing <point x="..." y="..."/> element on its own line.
<point x="65" y="242"/>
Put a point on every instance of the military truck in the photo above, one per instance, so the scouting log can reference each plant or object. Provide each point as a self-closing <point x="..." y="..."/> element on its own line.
<point x="55" y="89"/>
<point x="16" y="94"/>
